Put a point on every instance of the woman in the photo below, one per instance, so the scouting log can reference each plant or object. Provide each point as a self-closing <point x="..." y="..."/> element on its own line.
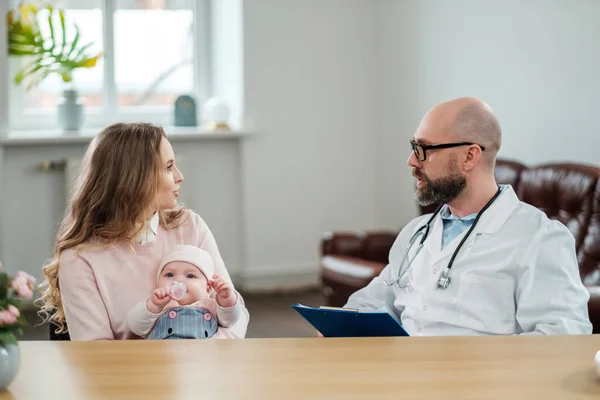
<point x="123" y="216"/>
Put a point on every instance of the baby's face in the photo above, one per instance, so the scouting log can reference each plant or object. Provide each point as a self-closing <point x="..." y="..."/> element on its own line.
<point x="195" y="281"/>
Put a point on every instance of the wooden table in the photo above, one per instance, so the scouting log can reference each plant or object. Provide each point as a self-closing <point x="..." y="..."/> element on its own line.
<point x="559" y="367"/>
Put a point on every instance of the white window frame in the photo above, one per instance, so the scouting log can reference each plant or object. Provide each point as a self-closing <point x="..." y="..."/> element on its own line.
<point x="21" y="119"/>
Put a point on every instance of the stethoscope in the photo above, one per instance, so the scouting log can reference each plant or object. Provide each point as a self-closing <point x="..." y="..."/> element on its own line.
<point x="444" y="279"/>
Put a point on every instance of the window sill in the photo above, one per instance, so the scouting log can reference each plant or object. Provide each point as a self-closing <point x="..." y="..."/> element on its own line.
<point x="54" y="137"/>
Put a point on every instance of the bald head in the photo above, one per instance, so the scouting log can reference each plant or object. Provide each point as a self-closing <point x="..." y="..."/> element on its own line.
<point x="468" y="119"/>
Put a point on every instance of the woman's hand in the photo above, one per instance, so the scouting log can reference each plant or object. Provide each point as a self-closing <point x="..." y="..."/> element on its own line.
<point x="226" y="296"/>
<point x="159" y="299"/>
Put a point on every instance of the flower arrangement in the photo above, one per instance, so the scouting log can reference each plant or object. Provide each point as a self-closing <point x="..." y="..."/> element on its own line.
<point x="40" y="33"/>
<point x="13" y="290"/>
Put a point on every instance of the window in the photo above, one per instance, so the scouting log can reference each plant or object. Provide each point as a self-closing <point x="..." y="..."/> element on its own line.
<point x="155" y="50"/>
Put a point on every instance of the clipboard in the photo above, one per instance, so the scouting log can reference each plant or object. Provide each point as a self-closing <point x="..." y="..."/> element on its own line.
<point x="342" y="322"/>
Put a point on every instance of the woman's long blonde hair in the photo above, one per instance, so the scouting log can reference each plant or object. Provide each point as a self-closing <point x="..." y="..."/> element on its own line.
<point x="113" y="197"/>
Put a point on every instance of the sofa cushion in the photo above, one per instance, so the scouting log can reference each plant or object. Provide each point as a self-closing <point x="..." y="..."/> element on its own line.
<point x="589" y="255"/>
<point x="564" y="192"/>
<point x="350" y="266"/>
<point x="342" y="275"/>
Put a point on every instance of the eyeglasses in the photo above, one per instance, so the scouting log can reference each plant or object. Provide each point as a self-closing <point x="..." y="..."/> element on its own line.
<point x="420" y="150"/>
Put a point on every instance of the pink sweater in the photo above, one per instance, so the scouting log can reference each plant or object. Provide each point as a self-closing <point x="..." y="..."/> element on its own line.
<point x="100" y="286"/>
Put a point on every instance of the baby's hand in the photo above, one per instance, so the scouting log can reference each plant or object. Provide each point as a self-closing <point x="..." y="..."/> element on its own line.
<point x="226" y="296"/>
<point x="159" y="299"/>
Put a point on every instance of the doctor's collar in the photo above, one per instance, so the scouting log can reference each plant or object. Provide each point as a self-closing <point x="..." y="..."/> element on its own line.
<point x="447" y="215"/>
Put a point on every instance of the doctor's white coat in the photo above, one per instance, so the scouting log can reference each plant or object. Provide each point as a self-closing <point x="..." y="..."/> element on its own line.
<point x="516" y="273"/>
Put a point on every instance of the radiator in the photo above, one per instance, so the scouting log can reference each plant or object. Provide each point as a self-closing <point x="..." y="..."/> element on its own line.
<point x="70" y="168"/>
<point x="71" y="172"/>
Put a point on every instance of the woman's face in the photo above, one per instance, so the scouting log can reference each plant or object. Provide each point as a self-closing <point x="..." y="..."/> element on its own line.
<point x="171" y="178"/>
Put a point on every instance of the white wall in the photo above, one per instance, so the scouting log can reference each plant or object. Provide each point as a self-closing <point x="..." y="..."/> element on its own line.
<point x="535" y="62"/>
<point x="399" y="112"/>
<point x="308" y="73"/>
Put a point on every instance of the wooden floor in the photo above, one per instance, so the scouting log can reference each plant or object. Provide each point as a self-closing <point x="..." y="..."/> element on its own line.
<point x="270" y="316"/>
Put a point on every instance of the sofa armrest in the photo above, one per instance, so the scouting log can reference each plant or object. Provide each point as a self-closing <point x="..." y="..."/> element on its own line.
<point x="370" y="246"/>
<point x="594" y="307"/>
<point x="343" y="275"/>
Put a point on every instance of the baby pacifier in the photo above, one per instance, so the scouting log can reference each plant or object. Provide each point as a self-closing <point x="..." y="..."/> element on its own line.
<point x="177" y="290"/>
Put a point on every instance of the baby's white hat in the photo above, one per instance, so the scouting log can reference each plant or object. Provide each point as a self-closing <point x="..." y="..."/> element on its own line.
<point x="190" y="254"/>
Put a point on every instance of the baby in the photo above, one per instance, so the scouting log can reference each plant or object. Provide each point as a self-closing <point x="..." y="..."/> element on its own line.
<point x="181" y="306"/>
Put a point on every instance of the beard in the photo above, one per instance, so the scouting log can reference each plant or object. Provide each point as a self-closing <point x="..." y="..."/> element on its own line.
<point x="440" y="190"/>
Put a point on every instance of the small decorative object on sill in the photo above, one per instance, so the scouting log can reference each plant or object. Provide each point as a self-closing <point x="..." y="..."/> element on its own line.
<point x="70" y="111"/>
<point x="38" y="34"/>
<point x="216" y="113"/>
<point x="12" y="291"/>
<point x="185" y="111"/>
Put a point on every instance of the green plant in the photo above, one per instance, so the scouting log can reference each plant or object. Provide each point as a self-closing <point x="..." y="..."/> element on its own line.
<point x="50" y="52"/>
<point x="12" y="292"/>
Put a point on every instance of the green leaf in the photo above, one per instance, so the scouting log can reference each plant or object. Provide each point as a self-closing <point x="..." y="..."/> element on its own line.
<point x="36" y="79"/>
<point x="20" y="39"/>
<point x="19" y="77"/>
<point x="15" y="301"/>
<point x="22" y="50"/>
<point x="80" y="53"/>
<point x="74" y="43"/>
<point x="23" y="72"/>
<point x="8" y="338"/>
<point x="61" y="14"/>
<point x="52" y="38"/>
<point x="22" y="321"/>
<point x="67" y="75"/>
<point x="4" y="285"/>
<point x="51" y="56"/>
<point x="51" y="24"/>
<point x="17" y="52"/>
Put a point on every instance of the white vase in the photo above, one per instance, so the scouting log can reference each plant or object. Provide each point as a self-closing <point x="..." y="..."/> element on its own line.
<point x="70" y="111"/>
<point x="10" y="361"/>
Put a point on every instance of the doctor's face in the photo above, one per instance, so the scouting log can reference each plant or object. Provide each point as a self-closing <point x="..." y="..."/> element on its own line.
<point x="439" y="178"/>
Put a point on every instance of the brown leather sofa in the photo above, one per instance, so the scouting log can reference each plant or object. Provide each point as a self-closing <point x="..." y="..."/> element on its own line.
<point x="569" y="193"/>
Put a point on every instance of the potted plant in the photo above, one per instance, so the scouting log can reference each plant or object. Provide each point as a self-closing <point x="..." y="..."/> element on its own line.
<point x="13" y="290"/>
<point x="40" y="34"/>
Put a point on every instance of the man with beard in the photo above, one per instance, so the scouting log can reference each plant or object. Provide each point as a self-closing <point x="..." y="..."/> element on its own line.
<point x="484" y="263"/>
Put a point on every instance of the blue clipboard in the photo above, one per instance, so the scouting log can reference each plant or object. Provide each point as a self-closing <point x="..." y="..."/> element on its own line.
<point x="338" y="322"/>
